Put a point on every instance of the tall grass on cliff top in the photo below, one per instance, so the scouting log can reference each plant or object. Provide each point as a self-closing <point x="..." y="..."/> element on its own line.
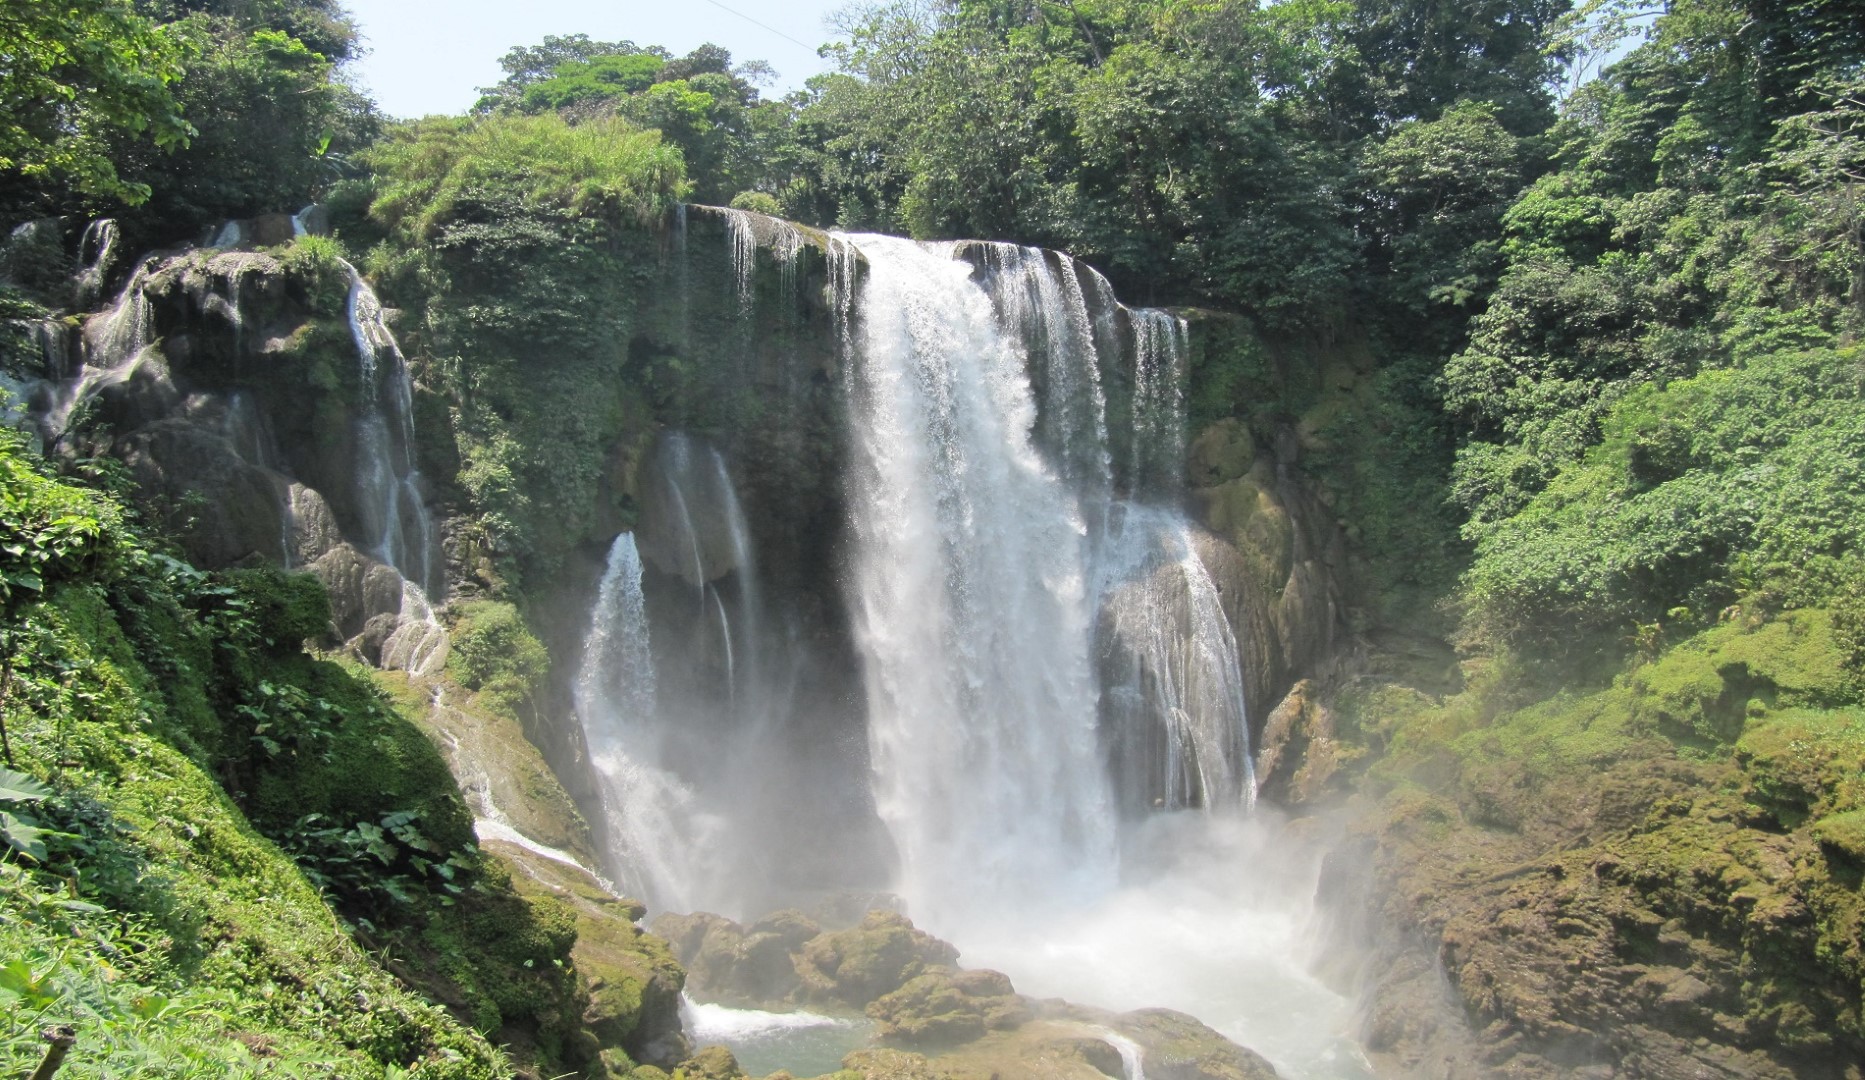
<point x="603" y="167"/>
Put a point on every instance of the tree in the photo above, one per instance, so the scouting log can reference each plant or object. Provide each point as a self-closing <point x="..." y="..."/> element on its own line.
<point x="73" y="73"/>
<point x="527" y="65"/>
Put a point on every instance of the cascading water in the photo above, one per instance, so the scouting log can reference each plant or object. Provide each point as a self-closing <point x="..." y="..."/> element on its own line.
<point x="396" y="525"/>
<point x="1172" y="688"/>
<point x="662" y="846"/>
<point x="115" y="344"/>
<point x="692" y="752"/>
<point x="1055" y="706"/>
<point x="397" y="528"/>
<point x="1004" y="599"/>
<point x="970" y="602"/>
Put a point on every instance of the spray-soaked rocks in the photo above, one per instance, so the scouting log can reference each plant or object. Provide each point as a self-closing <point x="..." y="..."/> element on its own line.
<point x="1068" y="1042"/>
<point x="787" y="959"/>
<point x="946" y="1006"/>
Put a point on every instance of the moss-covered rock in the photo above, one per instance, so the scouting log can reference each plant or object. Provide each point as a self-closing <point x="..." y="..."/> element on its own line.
<point x="855" y="966"/>
<point x="710" y="1063"/>
<point x="786" y="959"/>
<point x="1656" y="874"/>
<point x="946" y="1006"/>
<point x="1178" y="1047"/>
<point x="632" y="979"/>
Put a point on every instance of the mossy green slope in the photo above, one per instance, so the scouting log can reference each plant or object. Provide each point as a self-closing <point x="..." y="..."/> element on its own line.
<point x="249" y="862"/>
<point x="1659" y="872"/>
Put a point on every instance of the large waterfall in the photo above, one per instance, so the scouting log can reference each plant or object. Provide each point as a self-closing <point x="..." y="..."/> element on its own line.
<point x="971" y="599"/>
<point x="1046" y="660"/>
<point x="1054" y="710"/>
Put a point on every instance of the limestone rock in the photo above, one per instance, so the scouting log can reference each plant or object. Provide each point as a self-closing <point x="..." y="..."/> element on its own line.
<point x="1221" y="453"/>
<point x="737" y="965"/>
<point x="855" y="966"/>
<point x="712" y="1063"/>
<point x="1299" y="754"/>
<point x="785" y="959"/>
<point x="634" y="981"/>
<point x="1178" y="1047"/>
<point x="945" y="1006"/>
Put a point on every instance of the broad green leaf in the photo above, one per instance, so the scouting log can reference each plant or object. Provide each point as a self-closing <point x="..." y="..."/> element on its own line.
<point x="18" y="787"/>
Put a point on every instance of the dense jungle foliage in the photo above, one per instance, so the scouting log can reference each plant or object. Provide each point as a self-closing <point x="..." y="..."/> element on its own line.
<point x="1605" y="261"/>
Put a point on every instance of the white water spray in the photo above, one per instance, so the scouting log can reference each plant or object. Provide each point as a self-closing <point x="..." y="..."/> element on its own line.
<point x="663" y="845"/>
<point x="969" y="598"/>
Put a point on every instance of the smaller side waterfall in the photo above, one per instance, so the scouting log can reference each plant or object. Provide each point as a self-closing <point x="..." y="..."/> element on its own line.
<point x="660" y="843"/>
<point x="114" y="345"/>
<point x="97" y="252"/>
<point x="1159" y="357"/>
<point x="1172" y="701"/>
<point x="786" y="243"/>
<point x="396" y="526"/>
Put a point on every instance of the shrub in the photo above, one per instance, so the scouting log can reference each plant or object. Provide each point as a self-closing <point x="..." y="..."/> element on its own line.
<point x="495" y="653"/>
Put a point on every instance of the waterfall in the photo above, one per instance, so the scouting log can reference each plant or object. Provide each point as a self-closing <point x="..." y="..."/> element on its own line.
<point x="1172" y="683"/>
<point x="1039" y="296"/>
<point x="97" y="251"/>
<point x="710" y="544"/>
<point x="1158" y="451"/>
<point x="969" y="599"/>
<point x="1173" y="691"/>
<point x="663" y="847"/>
<point x="1043" y="660"/>
<point x="115" y="344"/>
<point x="742" y="228"/>
<point x="397" y="528"/>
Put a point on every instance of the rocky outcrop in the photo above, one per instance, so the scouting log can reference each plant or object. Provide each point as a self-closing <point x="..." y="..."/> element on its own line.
<point x="1300" y="756"/>
<point x="1587" y="888"/>
<point x="945" y="1006"/>
<point x="632" y="978"/>
<point x="1058" y="1041"/>
<point x="787" y="960"/>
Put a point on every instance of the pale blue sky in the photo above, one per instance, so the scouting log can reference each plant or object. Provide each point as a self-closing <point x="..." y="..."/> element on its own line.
<point x="431" y="56"/>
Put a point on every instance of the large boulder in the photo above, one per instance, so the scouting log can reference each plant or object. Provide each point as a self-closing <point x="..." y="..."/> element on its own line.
<point x="739" y="965"/>
<point x="946" y="1006"/>
<point x="1178" y="1047"/>
<point x="855" y="966"/>
<point x="1300" y="756"/>
<point x="785" y="959"/>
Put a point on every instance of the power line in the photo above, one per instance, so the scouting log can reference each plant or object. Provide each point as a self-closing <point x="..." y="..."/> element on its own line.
<point x="754" y="22"/>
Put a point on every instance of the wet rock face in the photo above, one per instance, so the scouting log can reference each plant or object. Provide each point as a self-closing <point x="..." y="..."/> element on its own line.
<point x="945" y="1006"/>
<point x="1178" y="1047"/>
<point x="1300" y="755"/>
<point x="634" y="983"/>
<point x="1277" y="555"/>
<point x="1058" y="1041"/>
<point x="786" y="960"/>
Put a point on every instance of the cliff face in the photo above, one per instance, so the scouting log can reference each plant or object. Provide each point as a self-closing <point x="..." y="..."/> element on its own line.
<point x="538" y="432"/>
<point x="685" y="385"/>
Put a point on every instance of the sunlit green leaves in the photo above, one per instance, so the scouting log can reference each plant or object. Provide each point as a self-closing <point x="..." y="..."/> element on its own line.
<point x="75" y="71"/>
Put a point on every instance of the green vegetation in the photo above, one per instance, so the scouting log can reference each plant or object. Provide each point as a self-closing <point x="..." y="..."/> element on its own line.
<point x="601" y="169"/>
<point x="75" y="73"/>
<point x="224" y="856"/>
<point x="496" y="654"/>
<point x="174" y="114"/>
